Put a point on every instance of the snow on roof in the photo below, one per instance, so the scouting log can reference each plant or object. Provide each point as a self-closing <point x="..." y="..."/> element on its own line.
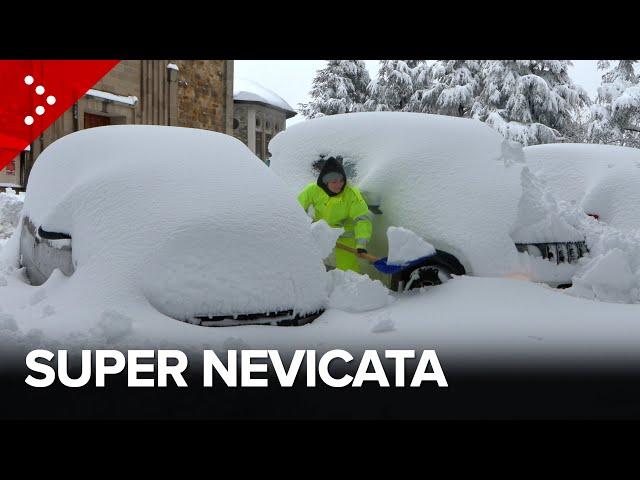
<point x="249" y="91"/>
<point x="130" y="100"/>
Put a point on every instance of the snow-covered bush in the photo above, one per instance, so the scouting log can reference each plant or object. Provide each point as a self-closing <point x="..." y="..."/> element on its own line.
<point x="615" y="118"/>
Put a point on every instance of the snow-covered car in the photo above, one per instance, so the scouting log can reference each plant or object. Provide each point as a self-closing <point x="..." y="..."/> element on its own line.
<point x="187" y="220"/>
<point x="602" y="180"/>
<point x="454" y="182"/>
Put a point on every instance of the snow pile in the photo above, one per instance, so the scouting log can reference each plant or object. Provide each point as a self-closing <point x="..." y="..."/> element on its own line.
<point x="353" y="292"/>
<point x="602" y="180"/>
<point x="599" y="179"/>
<point x="611" y="272"/>
<point x="608" y="277"/>
<point x="10" y="207"/>
<point x="539" y="218"/>
<point x="442" y="177"/>
<point x="237" y="244"/>
<point x="538" y="269"/>
<point x="405" y="246"/>
<point x="384" y="323"/>
<point x="325" y="237"/>
<point x="249" y="91"/>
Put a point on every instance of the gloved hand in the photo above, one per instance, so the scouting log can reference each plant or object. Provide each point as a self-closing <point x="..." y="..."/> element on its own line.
<point x="362" y="250"/>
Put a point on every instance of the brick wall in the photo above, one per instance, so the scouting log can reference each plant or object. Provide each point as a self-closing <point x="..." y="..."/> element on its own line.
<point x="203" y="90"/>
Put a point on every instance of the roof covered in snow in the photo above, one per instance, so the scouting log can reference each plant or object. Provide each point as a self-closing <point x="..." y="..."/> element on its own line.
<point x="128" y="100"/>
<point x="245" y="90"/>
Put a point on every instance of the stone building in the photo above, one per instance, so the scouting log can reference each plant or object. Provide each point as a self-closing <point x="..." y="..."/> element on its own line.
<point x="259" y="114"/>
<point x="186" y="93"/>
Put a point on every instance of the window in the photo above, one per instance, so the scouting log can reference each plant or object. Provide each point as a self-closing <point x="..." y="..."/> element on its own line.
<point x="259" y="145"/>
<point x="268" y="138"/>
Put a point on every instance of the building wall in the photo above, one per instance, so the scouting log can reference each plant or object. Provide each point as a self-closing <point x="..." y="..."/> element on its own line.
<point x="10" y="175"/>
<point x="256" y="125"/>
<point x="203" y="93"/>
<point x="199" y="95"/>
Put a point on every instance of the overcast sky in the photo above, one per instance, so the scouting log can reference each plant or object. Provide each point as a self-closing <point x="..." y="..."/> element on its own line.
<point x="291" y="79"/>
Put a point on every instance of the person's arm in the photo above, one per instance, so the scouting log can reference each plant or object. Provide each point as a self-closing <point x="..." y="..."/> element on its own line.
<point x="359" y="213"/>
<point x="305" y="198"/>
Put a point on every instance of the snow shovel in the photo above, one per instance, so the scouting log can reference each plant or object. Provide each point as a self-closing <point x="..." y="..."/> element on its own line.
<point x="381" y="263"/>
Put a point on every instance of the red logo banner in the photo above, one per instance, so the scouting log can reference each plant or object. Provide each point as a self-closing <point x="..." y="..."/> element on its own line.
<point x="34" y="93"/>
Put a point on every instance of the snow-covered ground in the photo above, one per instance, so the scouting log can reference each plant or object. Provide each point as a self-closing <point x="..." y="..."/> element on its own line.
<point x="10" y="207"/>
<point x="477" y="320"/>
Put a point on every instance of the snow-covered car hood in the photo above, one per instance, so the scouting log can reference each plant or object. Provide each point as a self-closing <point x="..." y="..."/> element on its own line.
<point x="189" y="219"/>
<point x="600" y="179"/>
<point x="453" y="181"/>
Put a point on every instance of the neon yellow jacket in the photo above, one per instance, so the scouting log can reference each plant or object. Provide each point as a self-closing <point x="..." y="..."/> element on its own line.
<point x="346" y="210"/>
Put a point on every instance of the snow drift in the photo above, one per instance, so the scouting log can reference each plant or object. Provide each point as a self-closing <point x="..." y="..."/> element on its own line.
<point x="611" y="273"/>
<point x="600" y="179"/>
<point x="352" y="292"/>
<point x="10" y="207"/>
<point x="236" y="243"/>
<point x="405" y="246"/>
<point x="539" y="216"/>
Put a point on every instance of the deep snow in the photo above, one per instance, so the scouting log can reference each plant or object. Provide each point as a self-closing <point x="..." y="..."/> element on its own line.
<point x="404" y="246"/>
<point x="475" y="320"/>
<point x="599" y="179"/>
<point x="10" y="208"/>
<point x="195" y="227"/>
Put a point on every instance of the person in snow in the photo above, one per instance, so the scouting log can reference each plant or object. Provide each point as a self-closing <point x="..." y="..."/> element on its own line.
<point x="340" y="205"/>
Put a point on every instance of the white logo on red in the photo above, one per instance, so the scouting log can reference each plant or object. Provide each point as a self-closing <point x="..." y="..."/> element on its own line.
<point x="40" y="110"/>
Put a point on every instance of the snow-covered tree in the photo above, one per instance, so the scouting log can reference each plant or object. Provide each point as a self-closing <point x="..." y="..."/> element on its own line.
<point x="394" y="88"/>
<point x="453" y="88"/>
<point x="529" y="101"/>
<point x="340" y="87"/>
<point x="615" y="118"/>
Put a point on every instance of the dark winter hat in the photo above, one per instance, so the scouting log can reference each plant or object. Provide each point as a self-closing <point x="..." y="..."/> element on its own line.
<point x="331" y="170"/>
